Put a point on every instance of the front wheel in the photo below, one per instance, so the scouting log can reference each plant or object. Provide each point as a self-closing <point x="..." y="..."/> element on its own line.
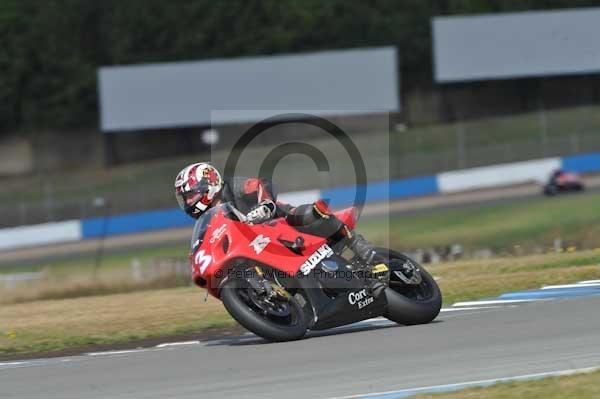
<point x="274" y="319"/>
<point x="410" y="303"/>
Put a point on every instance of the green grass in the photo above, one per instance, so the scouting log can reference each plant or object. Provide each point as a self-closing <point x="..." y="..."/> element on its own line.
<point x="580" y="386"/>
<point x="81" y="276"/>
<point x="46" y="325"/>
<point x="110" y="260"/>
<point x="58" y="324"/>
<point x="530" y="225"/>
<point x="476" y="279"/>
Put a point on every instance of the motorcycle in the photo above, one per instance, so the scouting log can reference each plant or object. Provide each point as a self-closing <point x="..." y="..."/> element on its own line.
<point x="278" y="282"/>
<point x="563" y="182"/>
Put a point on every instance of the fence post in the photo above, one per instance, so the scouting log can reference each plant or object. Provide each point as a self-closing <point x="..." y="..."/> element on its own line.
<point x="460" y="146"/>
<point x="22" y="213"/>
<point x="507" y="152"/>
<point x="543" y="119"/>
<point x="48" y="200"/>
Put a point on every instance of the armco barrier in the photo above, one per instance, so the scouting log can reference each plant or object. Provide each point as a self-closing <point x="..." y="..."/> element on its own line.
<point x="445" y="182"/>
<point x="381" y="191"/>
<point x="40" y="234"/>
<point x="498" y="175"/>
<point x="134" y="223"/>
<point x="585" y="163"/>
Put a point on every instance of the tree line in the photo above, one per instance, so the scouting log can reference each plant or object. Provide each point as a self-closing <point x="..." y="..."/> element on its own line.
<point x="50" y="49"/>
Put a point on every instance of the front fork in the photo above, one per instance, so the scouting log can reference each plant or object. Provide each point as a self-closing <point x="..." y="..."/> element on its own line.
<point x="264" y="286"/>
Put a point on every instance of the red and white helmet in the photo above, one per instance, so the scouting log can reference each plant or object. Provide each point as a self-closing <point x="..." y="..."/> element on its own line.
<point x="196" y="187"/>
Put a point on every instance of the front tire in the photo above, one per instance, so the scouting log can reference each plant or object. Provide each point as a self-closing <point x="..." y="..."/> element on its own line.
<point x="409" y="305"/>
<point x="290" y="328"/>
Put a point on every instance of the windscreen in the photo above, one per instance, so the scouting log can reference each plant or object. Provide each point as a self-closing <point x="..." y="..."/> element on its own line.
<point x="203" y="221"/>
<point x="202" y="225"/>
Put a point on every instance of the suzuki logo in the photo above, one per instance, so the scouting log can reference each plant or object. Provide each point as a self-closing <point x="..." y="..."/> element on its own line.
<point x="323" y="252"/>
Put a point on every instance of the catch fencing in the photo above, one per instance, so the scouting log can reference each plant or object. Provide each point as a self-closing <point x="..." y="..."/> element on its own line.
<point x="456" y="155"/>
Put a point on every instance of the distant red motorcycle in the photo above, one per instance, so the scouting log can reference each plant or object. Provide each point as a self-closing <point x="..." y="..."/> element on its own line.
<point x="279" y="283"/>
<point x="563" y="182"/>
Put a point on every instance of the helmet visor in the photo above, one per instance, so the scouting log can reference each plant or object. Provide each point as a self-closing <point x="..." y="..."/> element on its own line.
<point x="188" y="199"/>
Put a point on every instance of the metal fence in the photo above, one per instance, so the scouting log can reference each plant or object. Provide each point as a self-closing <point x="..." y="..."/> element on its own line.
<point x="464" y="156"/>
<point x="402" y="164"/>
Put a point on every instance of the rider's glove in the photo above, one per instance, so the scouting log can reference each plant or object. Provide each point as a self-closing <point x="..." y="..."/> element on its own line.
<point x="261" y="212"/>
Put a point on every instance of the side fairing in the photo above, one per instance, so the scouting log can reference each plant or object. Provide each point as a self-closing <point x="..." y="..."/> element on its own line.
<point x="226" y="240"/>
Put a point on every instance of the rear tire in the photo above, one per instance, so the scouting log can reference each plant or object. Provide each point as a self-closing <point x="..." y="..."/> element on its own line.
<point x="257" y="323"/>
<point x="417" y="310"/>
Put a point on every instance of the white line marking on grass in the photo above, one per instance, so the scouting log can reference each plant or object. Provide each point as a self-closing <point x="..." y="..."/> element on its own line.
<point x="589" y="282"/>
<point x="405" y="393"/>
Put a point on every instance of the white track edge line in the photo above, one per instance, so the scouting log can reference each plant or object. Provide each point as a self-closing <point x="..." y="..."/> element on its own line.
<point x="578" y="286"/>
<point x="177" y="344"/>
<point x="493" y="302"/>
<point x="118" y="352"/>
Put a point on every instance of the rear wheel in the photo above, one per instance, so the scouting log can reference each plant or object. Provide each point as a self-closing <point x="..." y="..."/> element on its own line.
<point x="416" y="302"/>
<point x="279" y="318"/>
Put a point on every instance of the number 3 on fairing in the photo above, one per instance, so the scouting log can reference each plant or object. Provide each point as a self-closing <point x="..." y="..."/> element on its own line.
<point x="202" y="260"/>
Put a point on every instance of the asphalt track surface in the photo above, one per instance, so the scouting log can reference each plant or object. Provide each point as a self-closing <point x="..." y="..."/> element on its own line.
<point x="464" y="345"/>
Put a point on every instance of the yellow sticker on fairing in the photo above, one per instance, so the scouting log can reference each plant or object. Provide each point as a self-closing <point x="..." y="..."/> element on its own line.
<point x="380" y="268"/>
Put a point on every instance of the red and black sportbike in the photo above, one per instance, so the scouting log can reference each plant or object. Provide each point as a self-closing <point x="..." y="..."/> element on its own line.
<point x="279" y="283"/>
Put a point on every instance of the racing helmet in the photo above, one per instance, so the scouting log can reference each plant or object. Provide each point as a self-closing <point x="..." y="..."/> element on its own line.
<point x="196" y="187"/>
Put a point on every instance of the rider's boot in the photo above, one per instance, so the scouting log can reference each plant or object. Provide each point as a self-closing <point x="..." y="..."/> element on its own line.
<point x="366" y="252"/>
<point x="363" y="248"/>
<point x="357" y="243"/>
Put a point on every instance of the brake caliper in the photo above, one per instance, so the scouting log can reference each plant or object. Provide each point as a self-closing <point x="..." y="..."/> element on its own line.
<point x="271" y="289"/>
<point x="409" y="273"/>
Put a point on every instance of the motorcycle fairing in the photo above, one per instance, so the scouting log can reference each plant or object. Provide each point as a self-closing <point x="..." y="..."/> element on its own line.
<point x="329" y="297"/>
<point x="226" y="240"/>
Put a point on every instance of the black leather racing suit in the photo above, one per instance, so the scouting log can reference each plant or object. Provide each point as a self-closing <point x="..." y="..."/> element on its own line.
<point x="247" y="192"/>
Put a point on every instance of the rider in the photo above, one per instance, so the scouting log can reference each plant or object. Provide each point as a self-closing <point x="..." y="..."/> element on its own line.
<point x="199" y="186"/>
